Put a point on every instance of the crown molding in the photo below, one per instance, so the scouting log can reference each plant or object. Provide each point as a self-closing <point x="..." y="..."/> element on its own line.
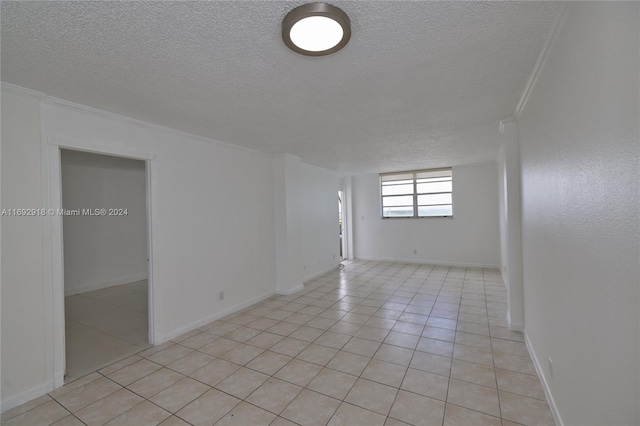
<point x="542" y="58"/>
<point x="73" y="106"/>
<point x="22" y="91"/>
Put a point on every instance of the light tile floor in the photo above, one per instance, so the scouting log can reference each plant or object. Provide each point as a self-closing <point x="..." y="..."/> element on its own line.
<point x="104" y="326"/>
<point x="375" y="343"/>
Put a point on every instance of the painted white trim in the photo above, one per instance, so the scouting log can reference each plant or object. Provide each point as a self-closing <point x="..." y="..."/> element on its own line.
<point x="106" y="284"/>
<point x="26" y="396"/>
<point x="161" y="338"/>
<point x="542" y="58"/>
<point x="22" y="91"/>
<point x="291" y="290"/>
<point x="72" y="106"/>
<point x="428" y="262"/>
<point x="514" y="326"/>
<point x="317" y="274"/>
<point x="543" y="380"/>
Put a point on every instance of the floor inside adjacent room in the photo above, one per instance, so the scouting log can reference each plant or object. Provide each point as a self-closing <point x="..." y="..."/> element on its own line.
<point x="373" y="343"/>
<point x="104" y="326"/>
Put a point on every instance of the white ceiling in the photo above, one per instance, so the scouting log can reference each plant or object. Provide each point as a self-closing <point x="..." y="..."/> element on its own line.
<point x="420" y="84"/>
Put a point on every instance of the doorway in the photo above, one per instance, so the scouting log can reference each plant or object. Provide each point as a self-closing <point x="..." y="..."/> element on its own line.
<point x="106" y="261"/>
<point x="341" y="224"/>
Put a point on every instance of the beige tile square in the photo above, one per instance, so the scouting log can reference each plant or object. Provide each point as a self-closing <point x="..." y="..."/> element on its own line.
<point x="332" y="340"/>
<point x="403" y="340"/>
<point x="431" y="363"/>
<point x="68" y="421"/>
<point x="246" y="414"/>
<point x="198" y="340"/>
<point x="372" y="333"/>
<point x="439" y="333"/>
<point x="394" y="354"/>
<point x="219" y="347"/>
<point x="438" y="347"/>
<point x="281" y="421"/>
<point x="46" y="413"/>
<point x="527" y="411"/>
<point x="170" y="354"/>
<point x="472" y="354"/>
<point x="384" y="372"/>
<point x="242" y="354"/>
<point x="521" y="384"/>
<point x="290" y="347"/>
<point x="345" y="327"/>
<point x="317" y="354"/>
<point x="372" y="396"/>
<point x="474" y="373"/>
<point x="298" y="372"/>
<point x="362" y="347"/>
<point x="269" y="362"/>
<point x="417" y="409"/>
<point x="332" y="383"/>
<point x="283" y="328"/>
<point x="87" y="394"/>
<point x="174" y="421"/>
<point x="474" y="397"/>
<point x="131" y="373"/>
<point x="426" y="384"/>
<point x="122" y="363"/>
<point x="110" y="407"/>
<point x="242" y="334"/>
<point x="221" y="329"/>
<point x="349" y="415"/>
<point x="264" y="340"/>
<point x="349" y="363"/>
<point x="190" y="363"/>
<point x="274" y="395"/>
<point x="382" y="323"/>
<point x="179" y="394"/>
<point x="155" y="382"/>
<point x="214" y="372"/>
<point x="473" y="328"/>
<point x="26" y="407"/>
<point x="510" y="347"/>
<point x="516" y="363"/>
<point x="459" y="416"/>
<point x="242" y="383"/>
<point x="145" y="413"/>
<point x="408" y="328"/>
<point x="209" y="408"/>
<point x="475" y="340"/>
<point x="306" y="334"/>
<point x="311" y="408"/>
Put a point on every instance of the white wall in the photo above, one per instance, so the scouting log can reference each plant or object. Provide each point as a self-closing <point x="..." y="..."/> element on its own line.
<point x="470" y="238"/>
<point x="579" y="142"/>
<point x="102" y="251"/>
<point x="502" y="210"/>
<point x="320" y="235"/>
<point x="23" y="318"/>
<point x="212" y="220"/>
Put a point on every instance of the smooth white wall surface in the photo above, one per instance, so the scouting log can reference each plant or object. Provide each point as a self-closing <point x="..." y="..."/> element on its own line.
<point x="470" y="238"/>
<point x="579" y="143"/>
<point x="23" y="318"/>
<point x="212" y="226"/>
<point x="102" y="251"/>
<point x="320" y="234"/>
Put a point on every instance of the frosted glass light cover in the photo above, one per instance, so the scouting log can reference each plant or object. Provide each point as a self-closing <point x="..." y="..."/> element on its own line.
<point x="316" y="33"/>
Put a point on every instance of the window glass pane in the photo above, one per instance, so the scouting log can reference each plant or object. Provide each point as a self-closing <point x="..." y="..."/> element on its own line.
<point x="434" y="187"/>
<point x="397" y="211"/>
<point x="397" y="182"/>
<point x="397" y="189"/>
<point x="403" y="200"/>
<point x="433" y="173"/>
<point x="434" y="199"/>
<point x="425" y="211"/>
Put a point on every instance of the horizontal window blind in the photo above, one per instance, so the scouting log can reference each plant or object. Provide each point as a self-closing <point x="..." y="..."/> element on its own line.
<point x="419" y="193"/>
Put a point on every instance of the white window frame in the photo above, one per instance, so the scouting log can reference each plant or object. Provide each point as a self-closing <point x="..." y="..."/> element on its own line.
<point x="413" y="177"/>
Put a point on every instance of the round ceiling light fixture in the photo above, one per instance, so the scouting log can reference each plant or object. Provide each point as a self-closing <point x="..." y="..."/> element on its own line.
<point x="316" y="29"/>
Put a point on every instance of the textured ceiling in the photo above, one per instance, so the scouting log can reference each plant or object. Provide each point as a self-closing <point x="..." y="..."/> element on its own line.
<point x="420" y="84"/>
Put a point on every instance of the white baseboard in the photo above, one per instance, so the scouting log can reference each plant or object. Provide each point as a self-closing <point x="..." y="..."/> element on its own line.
<point x="429" y="262"/>
<point x="324" y="271"/>
<point x="290" y="291"/>
<point x="543" y="380"/>
<point x="163" y="337"/>
<point x="514" y="326"/>
<point x="26" y="396"/>
<point x="99" y="286"/>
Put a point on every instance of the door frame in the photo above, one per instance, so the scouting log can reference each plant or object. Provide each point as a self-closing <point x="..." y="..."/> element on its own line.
<point x="55" y="356"/>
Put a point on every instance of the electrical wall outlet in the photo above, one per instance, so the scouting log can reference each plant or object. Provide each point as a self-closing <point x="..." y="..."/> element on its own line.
<point x="221" y="295"/>
<point x="550" y="367"/>
<point x="415" y="251"/>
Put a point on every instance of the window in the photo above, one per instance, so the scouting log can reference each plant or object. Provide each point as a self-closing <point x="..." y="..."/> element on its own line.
<point x="421" y="193"/>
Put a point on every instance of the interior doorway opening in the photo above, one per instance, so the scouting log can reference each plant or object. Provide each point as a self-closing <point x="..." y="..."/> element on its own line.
<point x="105" y="259"/>
<point x="341" y="224"/>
